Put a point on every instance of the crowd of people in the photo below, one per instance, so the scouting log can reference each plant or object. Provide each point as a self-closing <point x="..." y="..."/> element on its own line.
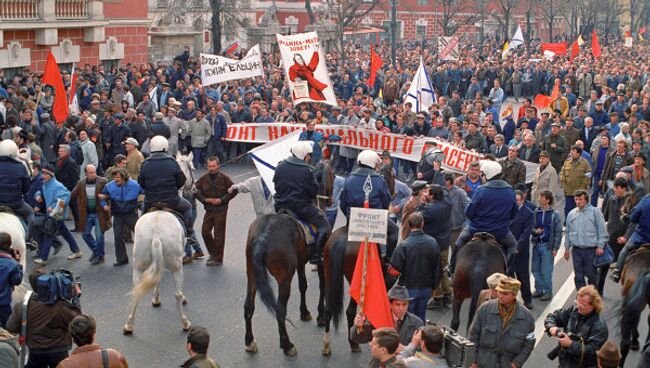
<point x="591" y="143"/>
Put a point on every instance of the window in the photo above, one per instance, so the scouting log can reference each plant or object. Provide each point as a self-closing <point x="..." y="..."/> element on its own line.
<point x="421" y="32"/>
<point x="108" y="64"/>
<point x="65" y="67"/>
<point x="10" y="73"/>
<point x="386" y="34"/>
<point x="422" y="2"/>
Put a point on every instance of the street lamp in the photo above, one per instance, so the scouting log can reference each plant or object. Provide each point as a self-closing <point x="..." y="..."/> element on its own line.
<point x="393" y="32"/>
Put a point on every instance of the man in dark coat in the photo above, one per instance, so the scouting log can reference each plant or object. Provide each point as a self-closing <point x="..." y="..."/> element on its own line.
<point x="161" y="178"/>
<point x="47" y="139"/>
<point x="295" y="190"/>
<point x="521" y="228"/>
<point x="14" y="184"/>
<point x="67" y="172"/>
<point x="158" y="127"/>
<point x="117" y="133"/>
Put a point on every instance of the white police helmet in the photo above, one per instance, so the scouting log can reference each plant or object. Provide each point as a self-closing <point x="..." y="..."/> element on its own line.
<point x="491" y="169"/>
<point x="368" y="158"/>
<point x="8" y="148"/>
<point x="301" y="149"/>
<point x="158" y="144"/>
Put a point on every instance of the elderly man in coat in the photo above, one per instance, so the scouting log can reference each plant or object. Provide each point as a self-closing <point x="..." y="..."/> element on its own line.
<point x="503" y="329"/>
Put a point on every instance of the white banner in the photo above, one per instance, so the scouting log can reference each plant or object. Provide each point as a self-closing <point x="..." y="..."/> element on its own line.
<point x="217" y="69"/>
<point x="305" y="69"/>
<point x="404" y="147"/>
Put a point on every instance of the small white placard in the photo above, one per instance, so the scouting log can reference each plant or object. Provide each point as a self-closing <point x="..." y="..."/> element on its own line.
<point x="368" y="222"/>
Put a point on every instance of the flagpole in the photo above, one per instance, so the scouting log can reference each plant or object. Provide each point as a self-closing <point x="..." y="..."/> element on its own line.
<point x="367" y="189"/>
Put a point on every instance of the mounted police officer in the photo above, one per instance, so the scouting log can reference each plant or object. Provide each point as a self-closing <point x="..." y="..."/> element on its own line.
<point x="380" y="197"/>
<point x="15" y="182"/>
<point x="430" y="167"/>
<point x="493" y="207"/>
<point x="296" y="189"/>
<point x="161" y="178"/>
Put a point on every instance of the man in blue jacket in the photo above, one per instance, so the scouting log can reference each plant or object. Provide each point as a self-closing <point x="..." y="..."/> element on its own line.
<point x="521" y="228"/>
<point x="122" y="194"/>
<point x="492" y="209"/>
<point x="161" y="178"/>
<point x="296" y="189"/>
<point x="380" y="197"/>
<point x="14" y="184"/>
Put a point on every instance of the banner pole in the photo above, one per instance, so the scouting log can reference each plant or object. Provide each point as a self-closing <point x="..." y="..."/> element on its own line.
<point x="367" y="189"/>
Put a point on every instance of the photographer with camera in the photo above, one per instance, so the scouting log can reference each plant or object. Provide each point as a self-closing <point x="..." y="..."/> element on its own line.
<point x="46" y="333"/>
<point x="11" y="274"/>
<point x="579" y="330"/>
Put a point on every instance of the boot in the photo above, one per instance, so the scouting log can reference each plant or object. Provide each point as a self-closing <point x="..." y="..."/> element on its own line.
<point x="316" y="250"/>
<point x="616" y="275"/>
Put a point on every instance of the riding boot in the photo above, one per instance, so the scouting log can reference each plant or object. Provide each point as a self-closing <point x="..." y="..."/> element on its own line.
<point x="316" y="250"/>
<point x="510" y="265"/>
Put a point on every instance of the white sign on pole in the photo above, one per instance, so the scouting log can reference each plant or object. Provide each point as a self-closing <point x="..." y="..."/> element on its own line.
<point x="628" y="41"/>
<point x="368" y="223"/>
<point x="448" y="48"/>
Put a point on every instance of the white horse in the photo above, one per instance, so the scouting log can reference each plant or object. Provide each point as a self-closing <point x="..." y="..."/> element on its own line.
<point x="159" y="243"/>
<point x="10" y="224"/>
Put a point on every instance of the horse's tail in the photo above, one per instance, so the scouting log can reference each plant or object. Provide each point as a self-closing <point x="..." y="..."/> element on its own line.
<point x="337" y="270"/>
<point x="633" y="304"/>
<point x="152" y="276"/>
<point x="262" y="283"/>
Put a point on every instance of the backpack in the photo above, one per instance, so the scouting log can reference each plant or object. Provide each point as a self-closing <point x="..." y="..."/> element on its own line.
<point x="58" y="284"/>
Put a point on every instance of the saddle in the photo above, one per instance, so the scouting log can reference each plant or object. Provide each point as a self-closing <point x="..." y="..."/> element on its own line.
<point x="162" y="206"/>
<point x="487" y="237"/>
<point x="642" y="248"/>
<point x="308" y="229"/>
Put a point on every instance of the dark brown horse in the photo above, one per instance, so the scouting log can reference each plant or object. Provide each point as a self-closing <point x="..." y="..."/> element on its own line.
<point x="476" y="260"/>
<point x="276" y="245"/>
<point x="635" y="279"/>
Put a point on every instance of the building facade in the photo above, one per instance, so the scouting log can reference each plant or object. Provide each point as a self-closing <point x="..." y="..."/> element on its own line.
<point x="91" y="32"/>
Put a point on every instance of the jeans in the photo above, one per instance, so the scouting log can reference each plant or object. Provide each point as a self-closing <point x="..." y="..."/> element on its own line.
<point x="199" y="153"/>
<point x="418" y="305"/>
<point x="44" y="249"/>
<point x="629" y="247"/>
<point x="192" y="241"/>
<point x="215" y="148"/>
<point x="583" y="266"/>
<point x="331" y="216"/>
<point x="542" y="268"/>
<point x="594" y="195"/>
<point x="96" y="243"/>
<point x="5" y="312"/>
<point x="569" y="204"/>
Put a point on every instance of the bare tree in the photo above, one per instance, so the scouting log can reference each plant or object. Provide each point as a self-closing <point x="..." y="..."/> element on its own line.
<point x="503" y="13"/>
<point x="310" y="12"/>
<point x="639" y="14"/>
<point x="225" y="15"/>
<point x="550" y="10"/>
<point x="347" y="13"/>
<point x="455" y="15"/>
<point x="610" y="11"/>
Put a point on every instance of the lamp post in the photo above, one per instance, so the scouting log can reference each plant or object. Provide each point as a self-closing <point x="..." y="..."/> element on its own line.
<point x="393" y="32"/>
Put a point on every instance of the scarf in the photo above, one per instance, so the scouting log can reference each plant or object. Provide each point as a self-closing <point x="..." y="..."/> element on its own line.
<point x="506" y="313"/>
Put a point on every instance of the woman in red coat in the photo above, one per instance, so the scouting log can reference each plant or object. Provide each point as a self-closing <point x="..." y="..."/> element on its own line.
<point x="306" y="72"/>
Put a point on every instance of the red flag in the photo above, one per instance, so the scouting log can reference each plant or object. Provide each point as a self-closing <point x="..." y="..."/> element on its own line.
<point x="231" y="48"/>
<point x="556" y="91"/>
<point x="375" y="64"/>
<point x="595" y="45"/>
<point x="642" y="30"/>
<point x="575" y="50"/>
<point x="376" y="306"/>
<point x="52" y="76"/>
<point x="628" y="34"/>
<point x="542" y="101"/>
<point x="558" y="48"/>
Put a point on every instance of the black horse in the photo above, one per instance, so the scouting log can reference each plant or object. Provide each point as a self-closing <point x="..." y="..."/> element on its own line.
<point x="476" y="261"/>
<point x="636" y="296"/>
<point x="276" y="245"/>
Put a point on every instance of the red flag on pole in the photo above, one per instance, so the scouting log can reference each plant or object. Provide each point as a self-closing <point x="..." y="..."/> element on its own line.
<point x="556" y="91"/>
<point x="575" y="50"/>
<point x="542" y="101"/>
<point x="375" y="64"/>
<point x="52" y="76"/>
<point x="595" y="45"/>
<point x="558" y="48"/>
<point x="376" y="306"/>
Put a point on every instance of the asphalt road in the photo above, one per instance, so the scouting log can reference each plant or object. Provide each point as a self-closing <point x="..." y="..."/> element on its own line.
<point x="216" y="298"/>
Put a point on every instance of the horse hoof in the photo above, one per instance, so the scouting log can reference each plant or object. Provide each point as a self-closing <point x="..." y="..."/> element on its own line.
<point x="306" y="317"/>
<point x="355" y="349"/>
<point x="127" y="331"/>
<point x="327" y="351"/>
<point x="291" y="352"/>
<point x="634" y="346"/>
<point x="155" y="305"/>
<point x="252" y="347"/>
<point x="320" y="322"/>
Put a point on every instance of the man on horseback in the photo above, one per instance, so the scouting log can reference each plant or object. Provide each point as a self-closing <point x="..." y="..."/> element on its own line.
<point x="641" y="216"/>
<point x="15" y="182"/>
<point x="493" y="207"/>
<point x="354" y="196"/>
<point x="161" y="178"/>
<point x="296" y="189"/>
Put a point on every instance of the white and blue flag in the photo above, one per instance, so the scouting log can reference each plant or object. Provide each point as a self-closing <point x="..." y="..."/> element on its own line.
<point x="421" y="94"/>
